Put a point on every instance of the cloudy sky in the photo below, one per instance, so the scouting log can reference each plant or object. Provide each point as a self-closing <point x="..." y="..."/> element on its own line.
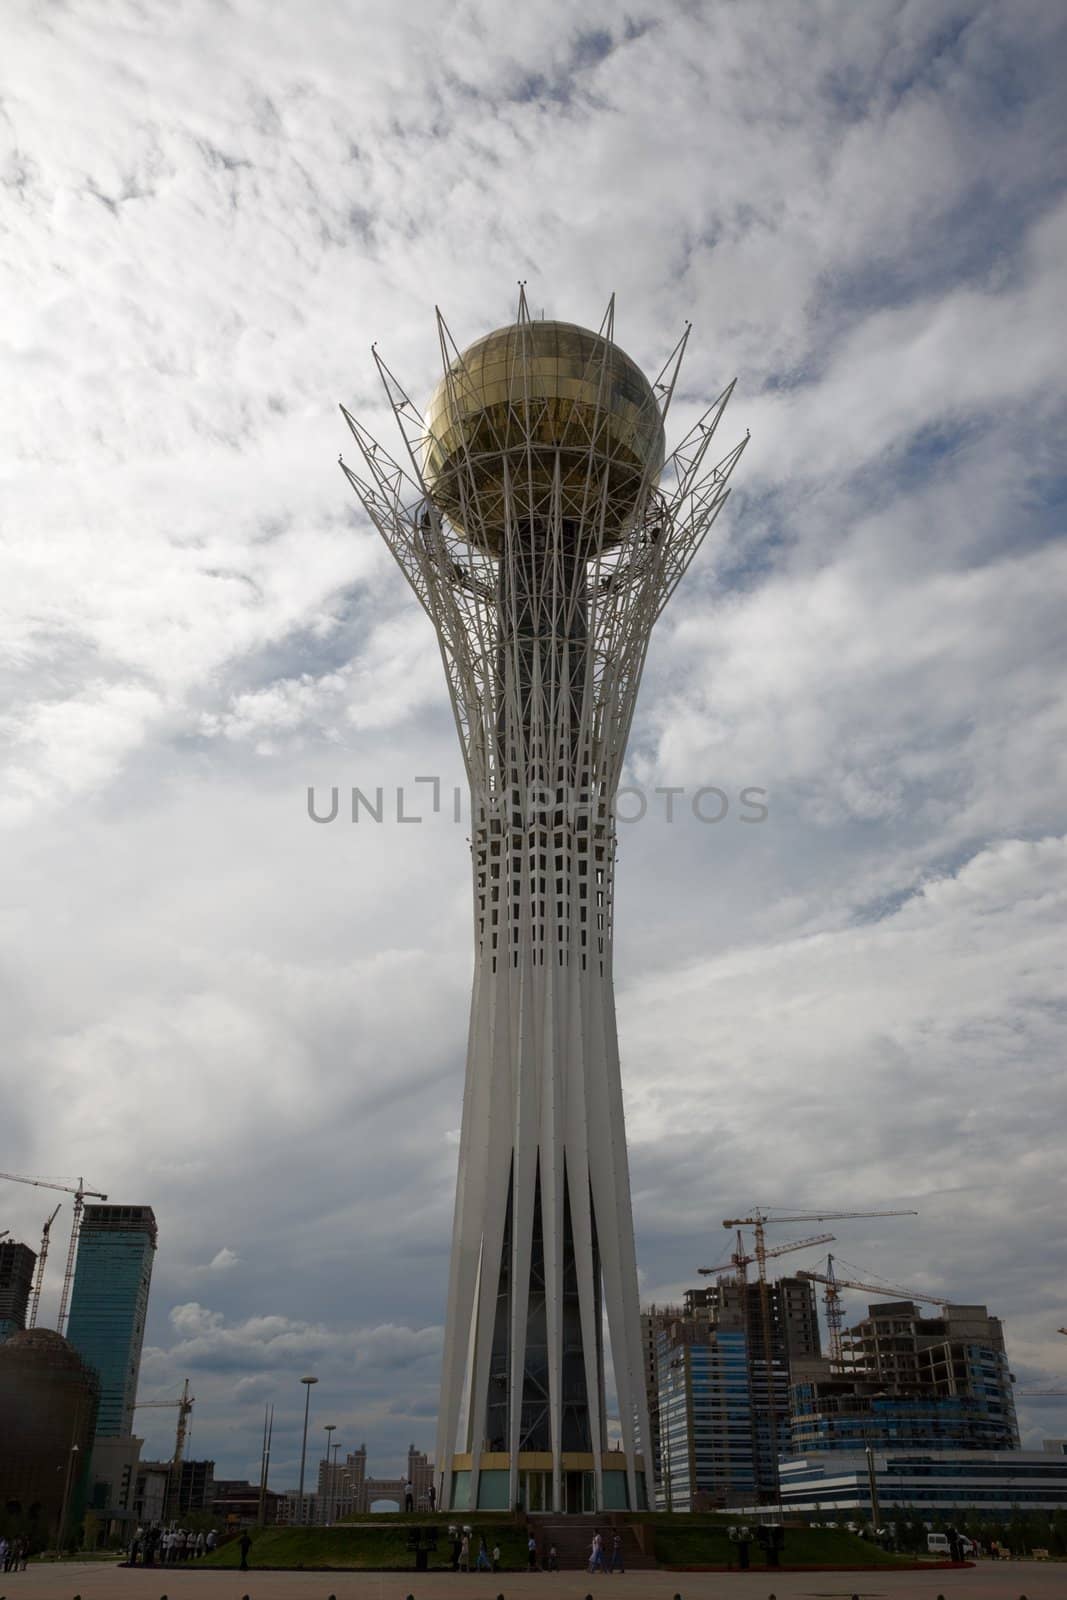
<point x="256" y="1024"/>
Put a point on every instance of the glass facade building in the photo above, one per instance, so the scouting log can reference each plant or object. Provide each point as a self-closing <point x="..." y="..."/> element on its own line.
<point x="847" y="1414"/>
<point x="721" y="1402"/>
<point x="706" y="1421"/>
<point x="927" y="1481"/>
<point x="109" y="1305"/>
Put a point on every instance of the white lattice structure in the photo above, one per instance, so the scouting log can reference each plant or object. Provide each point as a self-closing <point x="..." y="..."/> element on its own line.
<point x="536" y="521"/>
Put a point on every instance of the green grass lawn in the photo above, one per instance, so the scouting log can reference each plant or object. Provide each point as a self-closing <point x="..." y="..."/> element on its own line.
<point x="359" y="1546"/>
<point x="682" y="1542"/>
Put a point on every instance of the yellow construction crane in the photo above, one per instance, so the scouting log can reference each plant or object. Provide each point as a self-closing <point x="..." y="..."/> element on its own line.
<point x="835" y="1311"/>
<point x="759" y="1220"/>
<point x="184" y="1403"/>
<point x="38" y="1277"/>
<point x="739" y="1262"/>
<point x="80" y="1193"/>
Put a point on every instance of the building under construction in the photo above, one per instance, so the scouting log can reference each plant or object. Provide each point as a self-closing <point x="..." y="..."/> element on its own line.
<point x="910" y="1381"/>
<point x="718" y="1373"/>
<point x="17" y="1262"/>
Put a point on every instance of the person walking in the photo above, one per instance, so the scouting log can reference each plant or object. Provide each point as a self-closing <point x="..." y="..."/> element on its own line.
<point x="483" y="1563"/>
<point x="409" y="1496"/>
<point x="246" y="1545"/>
<point x="596" y="1553"/>
<point x="432" y="1496"/>
<point x="200" y="1544"/>
<point x="552" y="1560"/>
<point x="496" y="1558"/>
<point x="531" y="1553"/>
<point x="617" y="1563"/>
<point x="210" y="1541"/>
<point x="465" y="1552"/>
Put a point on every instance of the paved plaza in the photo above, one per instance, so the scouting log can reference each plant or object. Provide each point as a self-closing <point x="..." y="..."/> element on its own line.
<point x="1002" y="1580"/>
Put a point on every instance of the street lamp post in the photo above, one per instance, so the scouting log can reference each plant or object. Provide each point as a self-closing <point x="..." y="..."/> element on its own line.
<point x="333" y="1484"/>
<point x="327" y="1486"/>
<point x="307" y="1382"/>
<point x="74" y="1449"/>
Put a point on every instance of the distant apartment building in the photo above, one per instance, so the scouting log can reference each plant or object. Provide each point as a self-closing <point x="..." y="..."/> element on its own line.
<point x="17" y="1262"/>
<point x="957" y="1354"/>
<point x="721" y="1389"/>
<point x="299" y="1510"/>
<point x="341" y="1486"/>
<point x="345" y="1490"/>
<point x="193" y="1494"/>
<point x="654" y="1319"/>
<point x="150" y="1493"/>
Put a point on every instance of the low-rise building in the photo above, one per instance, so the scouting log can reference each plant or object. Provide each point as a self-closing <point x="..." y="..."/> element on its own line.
<point x="924" y="1482"/>
<point x="237" y="1502"/>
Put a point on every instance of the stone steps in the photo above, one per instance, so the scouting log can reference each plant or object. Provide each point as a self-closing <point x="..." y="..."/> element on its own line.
<point x="573" y="1538"/>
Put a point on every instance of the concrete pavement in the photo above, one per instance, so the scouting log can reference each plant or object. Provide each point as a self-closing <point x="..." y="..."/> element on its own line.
<point x="1000" y="1580"/>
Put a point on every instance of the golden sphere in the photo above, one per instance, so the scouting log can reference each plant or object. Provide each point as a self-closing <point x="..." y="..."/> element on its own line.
<point x="526" y="401"/>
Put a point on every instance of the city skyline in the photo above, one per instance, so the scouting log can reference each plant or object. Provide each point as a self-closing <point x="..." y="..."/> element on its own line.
<point x="256" y="1025"/>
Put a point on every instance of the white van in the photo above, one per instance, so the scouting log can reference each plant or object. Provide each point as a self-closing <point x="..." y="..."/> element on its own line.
<point x="937" y="1544"/>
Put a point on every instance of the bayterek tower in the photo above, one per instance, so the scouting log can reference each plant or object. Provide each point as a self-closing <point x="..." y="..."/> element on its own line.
<point x="532" y="511"/>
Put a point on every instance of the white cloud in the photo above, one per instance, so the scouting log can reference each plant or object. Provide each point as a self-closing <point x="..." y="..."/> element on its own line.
<point x="256" y="1024"/>
<point x="223" y="1260"/>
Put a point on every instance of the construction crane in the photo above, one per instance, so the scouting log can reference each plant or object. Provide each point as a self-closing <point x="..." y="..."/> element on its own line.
<point x="184" y="1403"/>
<point x="759" y="1221"/>
<point x="80" y="1193"/>
<point x="835" y="1311"/>
<point x="739" y="1262"/>
<point x="38" y="1279"/>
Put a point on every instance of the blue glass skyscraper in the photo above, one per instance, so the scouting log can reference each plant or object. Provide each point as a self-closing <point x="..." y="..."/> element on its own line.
<point x="109" y="1306"/>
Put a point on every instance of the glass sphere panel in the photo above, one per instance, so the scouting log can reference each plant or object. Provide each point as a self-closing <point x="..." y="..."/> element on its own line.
<point x="539" y="420"/>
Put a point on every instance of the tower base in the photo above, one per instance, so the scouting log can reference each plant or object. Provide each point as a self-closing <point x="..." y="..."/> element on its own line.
<point x="485" y="1486"/>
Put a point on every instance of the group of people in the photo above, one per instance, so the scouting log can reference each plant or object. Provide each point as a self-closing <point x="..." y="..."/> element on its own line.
<point x="409" y="1497"/>
<point x="165" y="1546"/>
<point x="14" y="1553"/>
<point x="487" y="1560"/>
<point x="598" y="1558"/>
<point x="533" y="1557"/>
